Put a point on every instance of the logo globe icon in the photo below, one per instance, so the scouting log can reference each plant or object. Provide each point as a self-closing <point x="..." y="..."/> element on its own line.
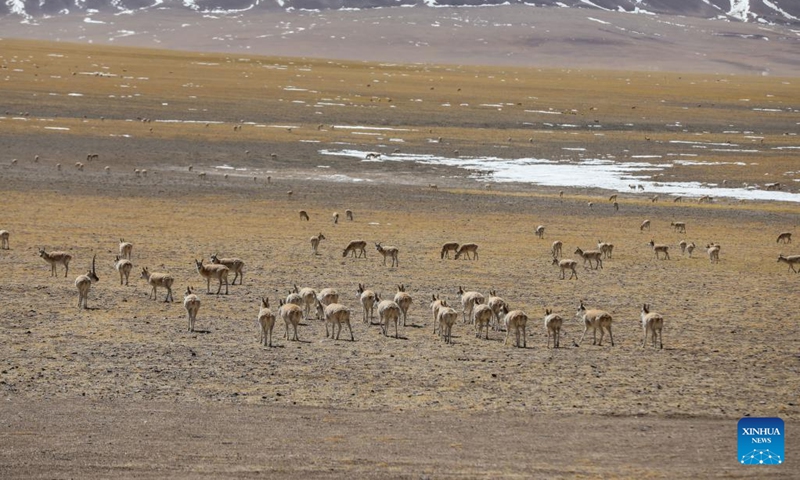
<point x="761" y="457"/>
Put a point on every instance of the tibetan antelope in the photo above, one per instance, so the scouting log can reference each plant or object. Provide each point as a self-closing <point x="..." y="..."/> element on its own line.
<point x="315" y="242"/>
<point x="652" y="323"/>
<point x="125" y="249"/>
<point x="679" y="227"/>
<point x="335" y="315"/>
<point x="690" y="248"/>
<point x="390" y="252"/>
<point x="308" y="299"/>
<point x="335" y="217"/>
<point x="590" y="255"/>
<point x="84" y="284"/>
<point x="466" y="249"/>
<point x="516" y="321"/>
<point x="192" y="305"/>
<point x="552" y="323"/>
<point x="713" y="252"/>
<point x="565" y="264"/>
<point x="158" y="280"/>
<point x="612" y="198"/>
<point x="447" y="248"/>
<point x="368" y="299"/>
<point x="556" y="248"/>
<point x="659" y="248"/>
<point x="682" y="244"/>
<point x="482" y="316"/>
<point x="348" y="214"/>
<point x="645" y="226"/>
<point x="436" y="305"/>
<point x="607" y="249"/>
<point x="403" y="300"/>
<point x="235" y="265"/>
<point x="266" y="320"/>
<point x="4" y="239"/>
<point x="388" y="313"/>
<point x="356" y="245"/>
<point x="446" y="318"/>
<point x="539" y="232"/>
<point x="218" y="272"/>
<point x="327" y="296"/>
<point x="303" y="213"/>
<point x="785" y="237"/>
<point x="291" y="315"/>
<point x="54" y="258"/>
<point x="596" y="320"/>
<point x="124" y="267"/>
<point x="468" y="302"/>
<point x="497" y="304"/>
<point x="791" y="260"/>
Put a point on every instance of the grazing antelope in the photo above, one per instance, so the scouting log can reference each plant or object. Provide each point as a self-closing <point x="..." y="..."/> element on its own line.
<point x="607" y="249"/>
<point x="336" y="315"/>
<point x="356" y="245"/>
<point x="390" y="252"/>
<point x="403" y="300"/>
<point x="516" y="321"/>
<point x="704" y="199"/>
<point x="368" y="299"/>
<point x="683" y="246"/>
<point x="497" y="304"/>
<point x="466" y="249"/>
<point x="556" y="248"/>
<point x="640" y="187"/>
<point x="679" y="227"/>
<point x="4" y="239"/>
<point x="315" y="242"/>
<point x="125" y="249"/>
<point x="565" y="264"/>
<point x="235" y="265"/>
<point x="54" y="258"/>
<point x="446" y="318"/>
<point x="590" y="204"/>
<point x="590" y="255"/>
<point x="785" y="237"/>
<point x="303" y="213"/>
<point x="482" y="316"/>
<point x="308" y="299"/>
<point x="84" y="284"/>
<point x="348" y="214"/>
<point x="654" y="198"/>
<point x="677" y="199"/>
<point x="158" y="280"/>
<point x="653" y="323"/>
<point x="658" y="248"/>
<point x="447" y="248"/>
<point x="645" y="226"/>
<point x="468" y="302"/>
<point x="539" y="232"/>
<point x="327" y="296"/>
<point x="266" y="319"/>
<point x="552" y="323"/>
<point x="216" y="271"/>
<point x="436" y="305"/>
<point x="596" y="320"/>
<point x="612" y="198"/>
<point x="192" y="305"/>
<point x="388" y="312"/>
<point x="124" y="267"/>
<point x="335" y="218"/>
<point x="291" y="315"/>
<point x="713" y="252"/>
<point x="791" y="260"/>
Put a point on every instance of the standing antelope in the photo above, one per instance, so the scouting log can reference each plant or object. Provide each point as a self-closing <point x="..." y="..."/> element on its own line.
<point x="590" y="255"/>
<point x="466" y="249"/>
<point x="219" y="272"/>
<point x="446" y="317"/>
<point x="403" y="300"/>
<point x="539" y="232"/>
<point x="235" y="265"/>
<point x="556" y="248"/>
<point x="791" y="260"/>
<point x="335" y="218"/>
<point x="645" y="226"/>
<point x="552" y="323"/>
<point x="565" y="264"/>
<point x="447" y="248"/>
<point x="303" y="213"/>
<point x="605" y="248"/>
<point x="368" y="299"/>
<point x="658" y="248"/>
<point x="468" y="302"/>
<point x="713" y="252"/>
<point x="315" y="242"/>
<point x="516" y="321"/>
<point x="336" y="315"/>
<point x="124" y="267"/>
<point x="356" y="245"/>
<point x="388" y="312"/>
<point x="348" y="214"/>
<point x="784" y="237"/>
<point x="482" y="316"/>
<point x="690" y="248"/>
<point x="596" y="320"/>
<point x="4" y="239"/>
<point x="192" y="305"/>
<point x="308" y="299"/>
<point x="679" y="227"/>
<point x="654" y="323"/>
<point x="436" y="305"/>
<point x="158" y="280"/>
<point x="390" y="252"/>
<point x="497" y="304"/>
<point x="84" y="284"/>
<point x="683" y="246"/>
<point x="54" y="258"/>
<point x="266" y="319"/>
<point x="291" y="315"/>
<point x="327" y="296"/>
<point x="125" y="249"/>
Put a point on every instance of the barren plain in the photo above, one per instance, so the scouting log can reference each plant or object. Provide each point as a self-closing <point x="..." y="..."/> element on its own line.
<point x="123" y="389"/>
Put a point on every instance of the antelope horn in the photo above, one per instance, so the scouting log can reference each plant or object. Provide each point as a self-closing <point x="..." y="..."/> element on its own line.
<point x="93" y="259"/>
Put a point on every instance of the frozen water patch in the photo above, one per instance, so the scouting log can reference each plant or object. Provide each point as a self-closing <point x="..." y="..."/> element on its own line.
<point x="56" y="128"/>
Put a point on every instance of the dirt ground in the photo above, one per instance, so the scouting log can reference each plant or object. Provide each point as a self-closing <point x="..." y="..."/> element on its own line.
<point x="124" y="389"/>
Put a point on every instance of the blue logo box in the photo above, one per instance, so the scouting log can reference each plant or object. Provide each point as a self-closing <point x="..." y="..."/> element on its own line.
<point x="761" y="441"/>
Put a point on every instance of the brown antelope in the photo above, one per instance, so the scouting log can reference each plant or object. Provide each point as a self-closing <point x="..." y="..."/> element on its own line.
<point x="556" y="248"/>
<point x="308" y="298"/>
<point x="497" y="304"/>
<point x="645" y="226"/>
<point x="4" y="239"/>
<point x="327" y="296"/>
<point x="785" y="237"/>
<point x="84" y="284"/>
<point x="303" y="213"/>
<point x="607" y="249"/>
<point x="552" y="323"/>
<point x="482" y="316"/>
<point x="590" y="255"/>
<point x="356" y="245"/>
<point x="388" y="313"/>
<point x="235" y="265"/>
<point x="291" y="315"/>
<point x="403" y="300"/>
<point x="446" y="318"/>
<point x="596" y="320"/>
<point x="348" y="214"/>
<point x="447" y="248"/>
<point x="516" y="321"/>
<point x="390" y="252"/>
<point x="219" y="272"/>
<point x="653" y="323"/>
<point x="124" y="267"/>
<point x="658" y="248"/>
<point x="125" y="249"/>
<point x="335" y="315"/>
<point x="713" y="252"/>
<point x="565" y="264"/>
<point x="791" y="260"/>
<point x="368" y="299"/>
<point x="466" y="249"/>
<point x="54" y="258"/>
<point x="612" y="198"/>
<point x="539" y="232"/>
<point x="192" y="305"/>
<point x="158" y="280"/>
<point x="266" y="319"/>
<point x="315" y="242"/>
<point x="679" y="227"/>
<point x="468" y="302"/>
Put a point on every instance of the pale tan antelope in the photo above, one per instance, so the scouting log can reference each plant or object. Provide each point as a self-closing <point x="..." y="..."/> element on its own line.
<point x="403" y="300"/>
<point x="266" y="320"/>
<point x="466" y="249"/>
<point x="4" y="239"/>
<point x="388" y="313"/>
<point x="683" y="246"/>
<point x="315" y="242"/>
<point x="447" y="248"/>
<point x="516" y="321"/>
<point x="348" y="214"/>
<point x="436" y="305"/>
<point x="654" y="198"/>
<point x="659" y="248"/>
<point x="565" y="264"/>
<point x="497" y="304"/>
<point x="390" y="252"/>
<point x="368" y="299"/>
<point x="308" y="299"/>
<point x="291" y="315"/>
<point x="468" y="302"/>
<point x="713" y="252"/>
<point x="784" y="237"/>
<point x="327" y="296"/>
<point x="124" y="267"/>
<point x="235" y="265"/>
<point x="679" y="227"/>
<point x="192" y="305"/>
<point x="125" y="249"/>
<point x="791" y="260"/>
<point x="482" y="316"/>
<point x="596" y="320"/>
<point x="645" y="226"/>
<point x="158" y="280"/>
<point x="539" y="232"/>
<point x="705" y="199"/>
<point x="552" y="324"/>
<point x="359" y="246"/>
<point x="556" y="248"/>
<point x="217" y="272"/>
<point x="690" y="248"/>
<point x="652" y="323"/>
<point x="303" y="213"/>
<point x="446" y="318"/>
<point x="607" y="249"/>
<point x="590" y="255"/>
<point x="335" y="217"/>
<point x="55" y="258"/>
<point x="335" y="315"/>
<point x="84" y="284"/>
<point x="294" y="298"/>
